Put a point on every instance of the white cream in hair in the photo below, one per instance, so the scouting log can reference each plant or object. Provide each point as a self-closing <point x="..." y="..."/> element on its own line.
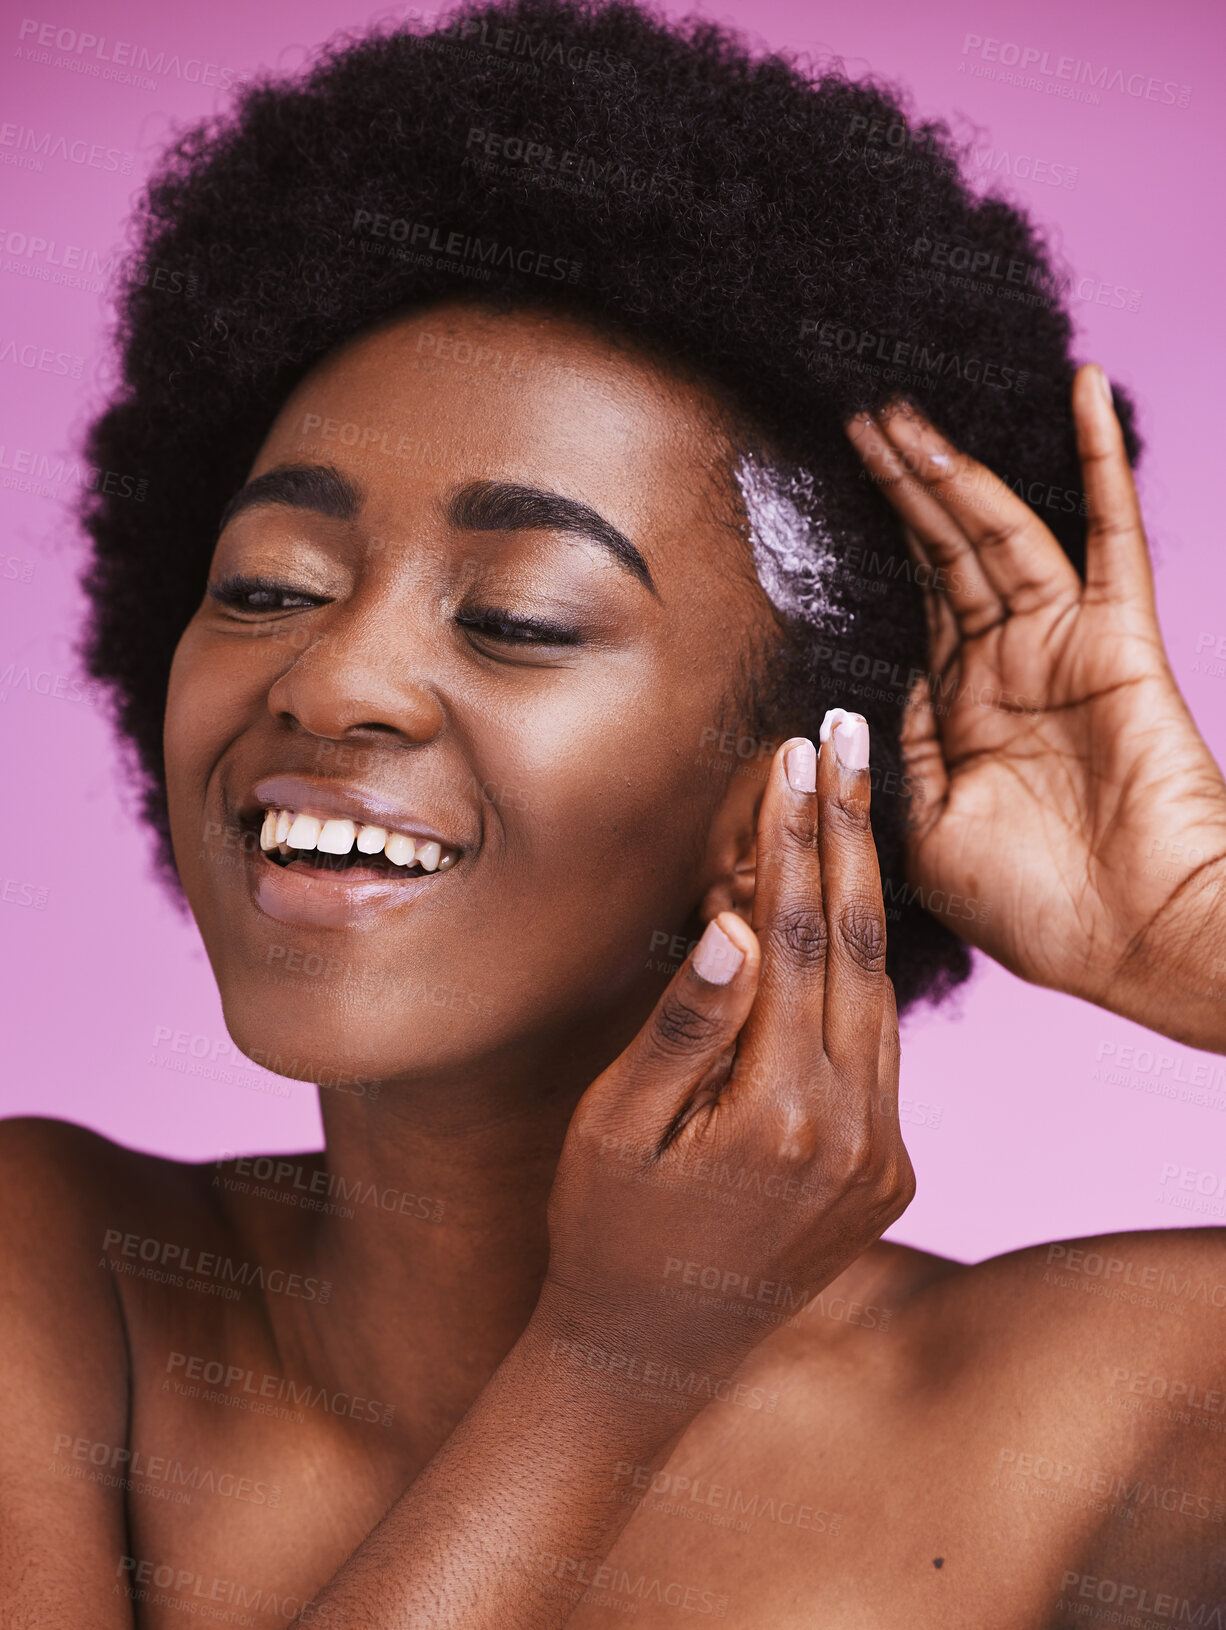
<point x="793" y="553"/>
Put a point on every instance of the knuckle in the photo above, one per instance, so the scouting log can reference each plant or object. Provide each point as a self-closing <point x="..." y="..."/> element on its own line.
<point x="801" y="932"/>
<point x="858" y="1162"/>
<point x="941" y="551"/>
<point x="851" y="815"/>
<point x="1105" y="528"/>
<point x="898" y="1184"/>
<point x="1101" y="453"/>
<point x="799" y="1149"/>
<point x="800" y="828"/>
<point x="875" y="1172"/>
<point x="1004" y="534"/>
<point x="682" y="1028"/>
<point x="862" y="935"/>
<point x="982" y="619"/>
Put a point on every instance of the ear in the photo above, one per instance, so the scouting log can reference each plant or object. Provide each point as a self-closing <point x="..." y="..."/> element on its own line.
<point x="731" y="857"/>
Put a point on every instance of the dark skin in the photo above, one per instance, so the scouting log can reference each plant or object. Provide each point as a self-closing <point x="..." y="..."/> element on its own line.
<point x="532" y="1183"/>
<point x="1055" y="723"/>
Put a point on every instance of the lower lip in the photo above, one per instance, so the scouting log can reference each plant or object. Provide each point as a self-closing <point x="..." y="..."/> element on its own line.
<point x="317" y="899"/>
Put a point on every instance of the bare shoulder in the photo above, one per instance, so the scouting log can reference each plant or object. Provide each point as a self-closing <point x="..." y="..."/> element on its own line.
<point x="66" y="1196"/>
<point x="1075" y="1366"/>
<point x="1164" y="1284"/>
<point x="1095" y="1312"/>
<point x="1140" y="1318"/>
<point x="1056" y="1414"/>
<point x="1101" y="1367"/>
<point x="60" y="1184"/>
<point x="64" y="1364"/>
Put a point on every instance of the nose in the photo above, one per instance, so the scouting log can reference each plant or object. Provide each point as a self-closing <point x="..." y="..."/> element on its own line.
<point x="358" y="677"/>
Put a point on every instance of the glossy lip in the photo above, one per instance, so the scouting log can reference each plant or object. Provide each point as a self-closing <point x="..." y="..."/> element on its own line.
<point x="338" y="800"/>
<point x="331" y="899"/>
<point x="328" y="899"/>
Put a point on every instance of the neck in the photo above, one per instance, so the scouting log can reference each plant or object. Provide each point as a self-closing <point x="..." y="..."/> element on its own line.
<point x="438" y="1269"/>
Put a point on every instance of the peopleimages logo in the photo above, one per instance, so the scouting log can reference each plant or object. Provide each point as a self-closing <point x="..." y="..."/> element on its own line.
<point x="89" y="50"/>
<point x="166" y="1262"/>
<point x="125" y="1464"/>
<point x="483" y="254"/>
<point x="851" y="348"/>
<point x="1030" y="59"/>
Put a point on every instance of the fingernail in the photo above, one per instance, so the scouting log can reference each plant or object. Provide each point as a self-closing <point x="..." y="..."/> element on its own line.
<point x="922" y="441"/>
<point x="717" y="959"/>
<point x="849" y="732"/>
<point x="800" y="763"/>
<point x="1105" y="385"/>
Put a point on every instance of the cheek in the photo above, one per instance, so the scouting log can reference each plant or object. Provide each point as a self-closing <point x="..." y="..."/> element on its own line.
<point x="210" y="697"/>
<point x="613" y="806"/>
<point x="183" y="718"/>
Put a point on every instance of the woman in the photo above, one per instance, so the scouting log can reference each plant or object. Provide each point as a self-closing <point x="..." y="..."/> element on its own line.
<point x="452" y="595"/>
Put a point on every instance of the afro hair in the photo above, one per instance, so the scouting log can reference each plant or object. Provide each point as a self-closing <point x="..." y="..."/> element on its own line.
<point x="789" y="234"/>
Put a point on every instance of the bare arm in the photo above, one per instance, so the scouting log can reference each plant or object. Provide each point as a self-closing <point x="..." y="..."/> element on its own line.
<point x="64" y="1380"/>
<point x="773" y="1047"/>
<point x="510" y="1521"/>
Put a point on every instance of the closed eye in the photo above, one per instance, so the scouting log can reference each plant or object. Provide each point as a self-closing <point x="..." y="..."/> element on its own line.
<point x="240" y="592"/>
<point x="495" y="623"/>
<point x="245" y="592"/>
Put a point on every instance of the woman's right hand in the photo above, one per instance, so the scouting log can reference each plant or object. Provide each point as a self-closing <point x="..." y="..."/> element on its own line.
<point x="777" y="1071"/>
<point x="506" y="1522"/>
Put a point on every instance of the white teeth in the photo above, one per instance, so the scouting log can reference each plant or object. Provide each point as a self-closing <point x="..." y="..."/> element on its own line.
<point x="304" y="834"/>
<point x="286" y="830"/>
<point x="399" y="849"/>
<point x="336" y="837"/>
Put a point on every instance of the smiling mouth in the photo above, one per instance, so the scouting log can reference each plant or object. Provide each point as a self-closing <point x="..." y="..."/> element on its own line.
<point x="291" y="838"/>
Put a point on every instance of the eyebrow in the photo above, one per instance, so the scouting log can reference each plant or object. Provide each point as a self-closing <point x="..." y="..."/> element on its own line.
<point x="503" y="506"/>
<point x="318" y="487"/>
<point x="480" y="506"/>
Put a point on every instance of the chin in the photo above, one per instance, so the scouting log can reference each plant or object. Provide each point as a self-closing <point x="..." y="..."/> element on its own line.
<point x="296" y="1024"/>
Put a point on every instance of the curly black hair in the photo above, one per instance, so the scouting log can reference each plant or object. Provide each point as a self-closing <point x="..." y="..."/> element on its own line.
<point x="792" y="235"/>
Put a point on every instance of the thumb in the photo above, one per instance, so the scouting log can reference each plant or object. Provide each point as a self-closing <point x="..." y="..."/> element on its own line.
<point x="696" y="1019"/>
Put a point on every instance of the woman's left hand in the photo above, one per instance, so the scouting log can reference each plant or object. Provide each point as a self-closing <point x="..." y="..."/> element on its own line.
<point x="1059" y="784"/>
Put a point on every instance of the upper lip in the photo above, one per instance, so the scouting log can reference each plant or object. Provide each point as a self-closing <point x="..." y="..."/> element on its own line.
<point x="340" y="800"/>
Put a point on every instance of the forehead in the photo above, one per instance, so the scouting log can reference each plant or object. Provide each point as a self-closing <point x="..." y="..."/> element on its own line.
<point x="457" y="392"/>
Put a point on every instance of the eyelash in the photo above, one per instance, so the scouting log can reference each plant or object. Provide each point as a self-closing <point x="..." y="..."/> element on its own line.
<point x="236" y="591"/>
<point x="497" y="623"/>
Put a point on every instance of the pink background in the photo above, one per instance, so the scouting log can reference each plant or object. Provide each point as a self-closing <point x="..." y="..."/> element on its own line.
<point x="1048" y="1126"/>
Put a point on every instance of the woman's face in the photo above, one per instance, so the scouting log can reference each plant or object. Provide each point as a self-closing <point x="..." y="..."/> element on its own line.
<point x="407" y="643"/>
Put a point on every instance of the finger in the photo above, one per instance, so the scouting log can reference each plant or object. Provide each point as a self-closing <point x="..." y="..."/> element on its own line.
<point x="889" y="1052"/>
<point x="851" y="893"/>
<point x="1021" y="557"/>
<point x="943" y="636"/>
<point x="926" y="781"/>
<point x="785" y="1026"/>
<point x="957" y="569"/>
<point x="889" y="1055"/>
<point x="696" y="1019"/>
<point x="888" y="1067"/>
<point x="1117" y="555"/>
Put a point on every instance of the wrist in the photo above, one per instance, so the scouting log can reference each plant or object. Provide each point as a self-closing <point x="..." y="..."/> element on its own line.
<point x="622" y="1381"/>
